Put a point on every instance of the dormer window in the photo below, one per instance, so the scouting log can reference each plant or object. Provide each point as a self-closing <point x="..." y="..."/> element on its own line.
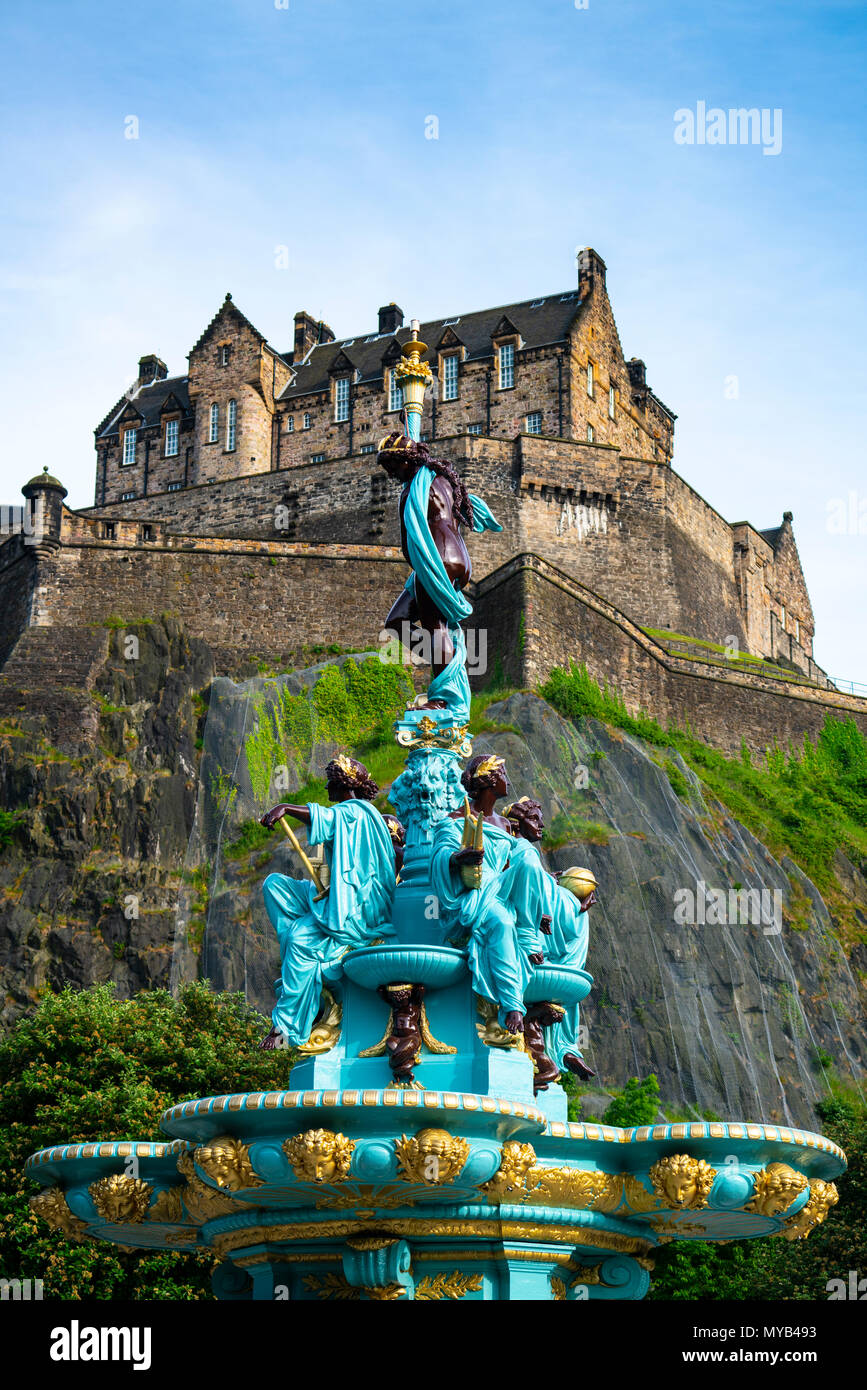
<point x="129" y="439"/>
<point x="395" y="391"/>
<point x="172" y="438"/>
<point x="214" y="431"/>
<point x="450" y="377"/>
<point x="231" y="419"/>
<point x="341" y="399"/>
<point x="506" y="366"/>
<point x="225" y="352"/>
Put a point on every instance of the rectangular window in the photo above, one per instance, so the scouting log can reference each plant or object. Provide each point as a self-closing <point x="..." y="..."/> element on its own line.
<point x="214" y="433"/>
<point x="108" y="531"/>
<point x="395" y="392"/>
<point x="127" y="497"/>
<point x="290" y="424"/>
<point x="147" y="533"/>
<point x="591" y="434"/>
<point x="172" y="436"/>
<point x="317" y="458"/>
<point x="174" y="487"/>
<point x="590" y="378"/>
<point x="611" y="402"/>
<point x="366" y="449"/>
<point x="224" y="357"/>
<point x="506" y="359"/>
<point x="533" y="422"/>
<point x="450" y="377"/>
<point x="231" y="418"/>
<point x="129" y="439"/>
<point x="341" y="398"/>
<point x="306" y="420"/>
<point x="474" y="429"/>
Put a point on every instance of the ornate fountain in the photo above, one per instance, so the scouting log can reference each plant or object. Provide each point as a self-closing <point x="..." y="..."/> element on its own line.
<point x="424" y="1151"/>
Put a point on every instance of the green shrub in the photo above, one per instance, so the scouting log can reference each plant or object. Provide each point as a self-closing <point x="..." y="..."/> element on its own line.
<point x="86" y="1066"/>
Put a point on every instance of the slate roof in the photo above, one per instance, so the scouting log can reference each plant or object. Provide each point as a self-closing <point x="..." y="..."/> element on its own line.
<point x="539" y="321"/>
<point x="148" y="400"/>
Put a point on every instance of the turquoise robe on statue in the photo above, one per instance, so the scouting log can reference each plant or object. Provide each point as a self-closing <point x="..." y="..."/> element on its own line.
<point x="357" y="908"/>
<point x="534" y="894"/>
<point x="499" y="967"/>
<point x="452" y="684"/>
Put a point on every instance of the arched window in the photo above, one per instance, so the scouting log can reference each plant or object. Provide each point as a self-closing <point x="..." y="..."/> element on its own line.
<point x="214" y="433"/>
<point x="231" y="417"/>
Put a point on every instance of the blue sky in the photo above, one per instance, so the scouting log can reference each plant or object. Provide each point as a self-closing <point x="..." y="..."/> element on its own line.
<point x="304" y="127"/>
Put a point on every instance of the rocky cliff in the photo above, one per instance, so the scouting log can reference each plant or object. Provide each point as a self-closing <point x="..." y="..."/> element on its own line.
<point x="136" y="859"/>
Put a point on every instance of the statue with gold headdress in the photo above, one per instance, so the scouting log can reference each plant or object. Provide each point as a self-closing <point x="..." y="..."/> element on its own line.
<point x="557" y="906"/>
<point x="469" y="863"/>
<point x="345" y="903"/>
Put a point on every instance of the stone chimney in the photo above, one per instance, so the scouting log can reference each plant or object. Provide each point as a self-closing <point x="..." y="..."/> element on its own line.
<point x="390" y="318"/>
<point x="308" y="332"/>
<point x="637" y="374"/>
<point x="591" y="268"/>
<point x="151" y="368"/>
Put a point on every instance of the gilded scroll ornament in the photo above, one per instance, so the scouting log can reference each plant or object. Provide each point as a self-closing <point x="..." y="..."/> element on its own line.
<point x="319" y="1155"/>
<point x="512" y="1177"/>
<point x="573" y="1187"/>
<point x="432" y="1156"/>
<point x="167" y="1207"/>
<point x="120" y="1198"/>
<point x="682" y="1182"/>
<point x="51" y="1206"/>
<point x="454" y="1286"/>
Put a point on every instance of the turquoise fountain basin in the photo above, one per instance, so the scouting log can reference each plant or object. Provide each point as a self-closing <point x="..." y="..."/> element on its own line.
<point x="558" y="984"/>
<point x="435" y="967"/>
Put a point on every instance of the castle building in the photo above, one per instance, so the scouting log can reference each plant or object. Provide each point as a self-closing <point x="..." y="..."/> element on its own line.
<point x="244" y="496"/>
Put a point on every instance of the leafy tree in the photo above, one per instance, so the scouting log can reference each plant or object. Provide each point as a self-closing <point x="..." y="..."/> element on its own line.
<point x="87" y="1066"/>
<point x="636" y="1105"/>
<point x="778" y="1269"/>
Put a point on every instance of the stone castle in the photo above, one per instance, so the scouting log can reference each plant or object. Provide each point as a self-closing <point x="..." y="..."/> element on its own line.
<point x="244" y="497"/>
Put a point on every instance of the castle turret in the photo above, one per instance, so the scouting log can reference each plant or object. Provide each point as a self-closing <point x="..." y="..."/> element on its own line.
<point x="45" y="495"/>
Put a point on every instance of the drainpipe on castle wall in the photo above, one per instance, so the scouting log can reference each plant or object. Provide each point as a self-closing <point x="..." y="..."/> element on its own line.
<point x="487" y="400"/>
<point x="104" y="473"/>
<point x="351" y="416"/>
<point x="187" y="453"/>
<point x="433" y="415"/>
<point x="144" y="491"/>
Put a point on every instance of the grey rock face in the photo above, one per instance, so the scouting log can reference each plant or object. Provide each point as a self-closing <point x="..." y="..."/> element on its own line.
<point x="738" y="1017"/>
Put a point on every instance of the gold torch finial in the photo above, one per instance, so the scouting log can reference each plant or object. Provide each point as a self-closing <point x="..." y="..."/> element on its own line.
<point x="413" y="375"/>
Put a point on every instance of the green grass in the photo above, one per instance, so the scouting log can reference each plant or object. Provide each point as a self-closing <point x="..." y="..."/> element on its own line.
<point x="566" y="827"/>
<point x="806" y="803"/>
